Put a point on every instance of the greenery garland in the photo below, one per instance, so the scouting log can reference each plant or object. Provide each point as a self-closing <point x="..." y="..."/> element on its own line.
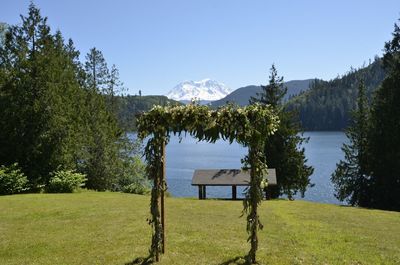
<point x="248" y="126"/>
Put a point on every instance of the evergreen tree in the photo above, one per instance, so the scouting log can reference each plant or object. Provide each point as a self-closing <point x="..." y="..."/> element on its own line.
<point x="114" y="87"/>
<point x="3" y="30"/>
<point x="101" y="163"/>
<point x="53" y="115"/>
<point x="351" y="179"/>
<point x="272" y="93"/>
<point x="283" y="149"/>
<point x="97" y="73"/>
<point x="384" y="134"/>
<point x="39" y="96"/>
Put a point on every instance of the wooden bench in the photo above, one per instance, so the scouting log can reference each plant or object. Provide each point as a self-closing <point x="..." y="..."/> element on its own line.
<point x="226" y="177"/>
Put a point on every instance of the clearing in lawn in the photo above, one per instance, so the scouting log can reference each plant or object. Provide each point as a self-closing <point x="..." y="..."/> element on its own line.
<point x="111" y="228"/>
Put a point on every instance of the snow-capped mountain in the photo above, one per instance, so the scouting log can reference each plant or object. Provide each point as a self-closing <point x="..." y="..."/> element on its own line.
<point x="205" y="90"/>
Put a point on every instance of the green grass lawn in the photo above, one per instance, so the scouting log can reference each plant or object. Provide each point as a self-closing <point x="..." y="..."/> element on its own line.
<point x="111" y="228"/>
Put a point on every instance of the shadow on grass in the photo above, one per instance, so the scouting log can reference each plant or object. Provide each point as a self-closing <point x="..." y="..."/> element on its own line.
<point x="140" y="261"/>
<point x="239" y="260"/>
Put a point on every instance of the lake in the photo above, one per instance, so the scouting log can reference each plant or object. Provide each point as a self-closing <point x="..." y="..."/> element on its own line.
<point x="322" y="151"/>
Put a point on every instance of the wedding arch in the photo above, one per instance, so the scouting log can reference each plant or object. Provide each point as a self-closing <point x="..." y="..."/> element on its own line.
<point x="249" y="126"/>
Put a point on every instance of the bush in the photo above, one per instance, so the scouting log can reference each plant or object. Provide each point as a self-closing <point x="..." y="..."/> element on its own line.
<point x="136" y="188"/>
<point x="132" y="176"/>
<point x="12" y="180"/>
<point x="65" y="181"/>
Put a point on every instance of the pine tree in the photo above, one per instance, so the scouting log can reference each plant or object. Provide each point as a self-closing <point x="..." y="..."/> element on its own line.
<point x="37" y="83"/>
<point x="53" y="115"/>
<point x="22" y="120"/>
<point x="282" y="150"/>
<point x="384" y="134"/>
<point x="351" y="178"/>
<point x="3" y="30"/>
<point x="114" y="87"/>
<point x="272" y="93"/>
<point x="97" y="73"/>
<point x="101" y="163"/>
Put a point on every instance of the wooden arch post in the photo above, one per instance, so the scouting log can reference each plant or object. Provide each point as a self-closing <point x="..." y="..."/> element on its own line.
<point x="160" y="182"/>
<point x="163" y="188"/>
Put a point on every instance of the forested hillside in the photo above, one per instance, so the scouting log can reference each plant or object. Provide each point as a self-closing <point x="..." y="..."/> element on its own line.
<point x="129" y="106"/>
<point x="241" y="96"/>
<point x="322" y="105"/>
<point x="327" y="104"/>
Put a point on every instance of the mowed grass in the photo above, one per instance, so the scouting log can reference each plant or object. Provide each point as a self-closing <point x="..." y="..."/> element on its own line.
<point x="111" y="228"/>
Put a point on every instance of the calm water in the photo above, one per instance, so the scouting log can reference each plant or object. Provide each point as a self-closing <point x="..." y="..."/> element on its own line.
<point x="322" y="151"/>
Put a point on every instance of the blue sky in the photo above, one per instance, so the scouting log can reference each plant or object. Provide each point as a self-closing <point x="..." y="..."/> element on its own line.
<point x="158" y="44"/>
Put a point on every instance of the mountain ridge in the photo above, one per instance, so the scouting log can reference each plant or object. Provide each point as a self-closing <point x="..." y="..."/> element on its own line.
<point x="242" y="95"/>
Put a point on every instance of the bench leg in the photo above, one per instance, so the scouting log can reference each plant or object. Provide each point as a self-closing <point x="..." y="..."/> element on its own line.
<point x="204" y="192"/>
<point x="267" y="194"/>
<point x="234" y="197"/>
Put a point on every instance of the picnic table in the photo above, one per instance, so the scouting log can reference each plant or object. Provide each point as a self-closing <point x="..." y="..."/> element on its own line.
<point x="226" y="177"/>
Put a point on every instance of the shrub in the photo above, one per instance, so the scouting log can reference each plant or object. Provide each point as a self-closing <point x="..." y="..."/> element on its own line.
<point x="65" y="181"/>
<point x="136" y="188"/>
<point x="12" y="180"/>
<point x="132" y="177"/>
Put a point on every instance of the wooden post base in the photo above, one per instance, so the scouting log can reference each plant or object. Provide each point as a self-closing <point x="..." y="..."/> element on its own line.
<point x="234" y="193"/>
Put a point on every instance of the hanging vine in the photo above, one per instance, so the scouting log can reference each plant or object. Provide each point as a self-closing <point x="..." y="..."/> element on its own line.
<point x="249" y="126"/>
